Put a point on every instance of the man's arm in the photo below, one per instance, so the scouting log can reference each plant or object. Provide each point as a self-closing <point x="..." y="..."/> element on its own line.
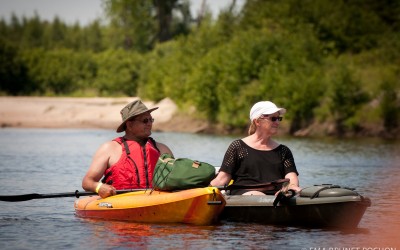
<point x="100" y="162"/>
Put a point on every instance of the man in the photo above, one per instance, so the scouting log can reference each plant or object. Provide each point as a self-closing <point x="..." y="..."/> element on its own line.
<point x="126" y="162"/>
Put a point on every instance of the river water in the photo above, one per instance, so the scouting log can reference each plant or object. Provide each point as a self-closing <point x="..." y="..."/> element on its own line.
<point x="55" y="160"/>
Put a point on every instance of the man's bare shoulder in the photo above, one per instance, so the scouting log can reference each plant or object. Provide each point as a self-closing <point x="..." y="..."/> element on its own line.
<point x="109" y="146"/>
<point x="163" y="148"/>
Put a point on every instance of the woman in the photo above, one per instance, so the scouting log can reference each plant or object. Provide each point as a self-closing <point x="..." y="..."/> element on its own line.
<point x="258" y="159"/>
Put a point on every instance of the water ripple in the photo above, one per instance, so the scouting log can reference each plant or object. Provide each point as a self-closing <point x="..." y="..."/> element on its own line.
<point x="31" y="162"/>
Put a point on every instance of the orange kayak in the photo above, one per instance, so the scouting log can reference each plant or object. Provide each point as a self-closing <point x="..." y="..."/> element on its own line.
<point x="200" y="206"/>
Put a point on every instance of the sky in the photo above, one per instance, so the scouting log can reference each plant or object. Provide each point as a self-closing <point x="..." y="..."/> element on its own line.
<point x="83" y="11"/>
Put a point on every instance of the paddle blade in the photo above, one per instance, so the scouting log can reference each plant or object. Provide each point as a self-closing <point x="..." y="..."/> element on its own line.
<point x="26" y="197"/>
<point x="22" y="197"/>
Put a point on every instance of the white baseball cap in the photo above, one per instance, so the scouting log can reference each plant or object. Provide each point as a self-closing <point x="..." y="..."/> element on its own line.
<point x="264" y="108"/>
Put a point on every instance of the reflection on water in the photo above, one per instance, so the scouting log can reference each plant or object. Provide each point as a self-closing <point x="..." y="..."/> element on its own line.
<point x="54" y="161"/>
<point x="134" y="235"/>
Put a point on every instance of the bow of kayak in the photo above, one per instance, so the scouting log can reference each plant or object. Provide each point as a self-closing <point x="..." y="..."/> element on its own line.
<point x="318" y="206"/>
<point x="199" y="206"/>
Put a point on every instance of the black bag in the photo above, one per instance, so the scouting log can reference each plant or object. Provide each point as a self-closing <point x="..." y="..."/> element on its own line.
<point x="181" y="173"/>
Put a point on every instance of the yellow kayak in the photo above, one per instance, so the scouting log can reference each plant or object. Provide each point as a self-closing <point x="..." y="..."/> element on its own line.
<point x="200" y="206"/>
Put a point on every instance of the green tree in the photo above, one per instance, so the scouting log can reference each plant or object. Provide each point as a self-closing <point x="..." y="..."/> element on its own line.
<point x="345" y="96"/>
<point x="139" y="24"/>
<point x="14" y="78"/>
<point x="75" y="38"/>
<point x="57" y="34"/>
<point x="93" y="37"/>
<point x="390" y="105"/>
<point x="32" y="35"/>
<point x="131" y="24"/>
<point x="59" y="72"/>
<point x="117" y="72"/>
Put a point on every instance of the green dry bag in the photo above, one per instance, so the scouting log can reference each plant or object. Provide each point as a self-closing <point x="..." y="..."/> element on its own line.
<point x="181" y="173"/>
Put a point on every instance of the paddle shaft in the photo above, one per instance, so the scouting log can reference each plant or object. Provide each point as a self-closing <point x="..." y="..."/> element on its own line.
<point x="33" y="196"/>
<point x="25" y="197"/>
<point x="263" y="186"/>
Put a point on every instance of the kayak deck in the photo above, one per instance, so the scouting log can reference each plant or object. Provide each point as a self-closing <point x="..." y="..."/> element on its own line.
<point x="335" y="207"/>
<point x="200" y="206"/>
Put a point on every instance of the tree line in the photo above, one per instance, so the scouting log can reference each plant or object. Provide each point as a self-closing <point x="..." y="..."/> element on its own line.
<point x="335" y="65"/>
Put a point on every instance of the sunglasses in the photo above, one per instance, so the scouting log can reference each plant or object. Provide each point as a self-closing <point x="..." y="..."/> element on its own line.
<point x="146" y="120"/>
<point x="272" y="118"/>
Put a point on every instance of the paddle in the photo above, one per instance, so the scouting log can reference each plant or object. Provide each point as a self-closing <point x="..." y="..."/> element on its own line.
<point x="262" y="187"/>
<point x="77" y="194"/>
<point x="33" y="196"/>
<point x="284" y="194"/>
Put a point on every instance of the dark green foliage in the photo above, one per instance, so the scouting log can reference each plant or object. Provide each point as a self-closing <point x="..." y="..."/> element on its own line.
<point x="139" y="24"/>
<point x="345" y="97"/>
<point x="59" y="72"/>
<point x="117" y="73"/>
<point x="14" y="78"/>
<point x="326" y="61"/>
<point x="390" y="105"/>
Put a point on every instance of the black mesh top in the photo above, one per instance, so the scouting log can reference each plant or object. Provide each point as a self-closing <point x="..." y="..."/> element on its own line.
<point x="251" y="166"/>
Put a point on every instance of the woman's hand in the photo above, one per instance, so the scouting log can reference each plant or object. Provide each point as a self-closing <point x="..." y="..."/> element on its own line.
<point x="294" y="187"/>
<point x="293" y="184"/>
<point x="288" y="186"/>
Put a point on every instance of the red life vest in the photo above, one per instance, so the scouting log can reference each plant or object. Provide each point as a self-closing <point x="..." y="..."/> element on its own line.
<point x="135" y="167"/>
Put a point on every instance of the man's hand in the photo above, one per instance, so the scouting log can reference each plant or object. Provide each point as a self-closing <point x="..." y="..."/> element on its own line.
<point x="106" y="190"/>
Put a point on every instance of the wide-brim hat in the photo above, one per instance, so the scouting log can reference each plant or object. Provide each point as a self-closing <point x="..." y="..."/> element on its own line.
<point x="134" y="108"/>
<point x="265" y="108"/>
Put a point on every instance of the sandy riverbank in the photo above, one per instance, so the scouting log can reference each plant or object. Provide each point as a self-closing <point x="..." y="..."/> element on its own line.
<point x="70" y="112"/>
<point x="59" y="112"/>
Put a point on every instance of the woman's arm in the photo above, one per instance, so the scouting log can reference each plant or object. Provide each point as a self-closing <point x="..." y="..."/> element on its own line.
<point x="221" y="179"/>
<point x="294" y="181"/>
